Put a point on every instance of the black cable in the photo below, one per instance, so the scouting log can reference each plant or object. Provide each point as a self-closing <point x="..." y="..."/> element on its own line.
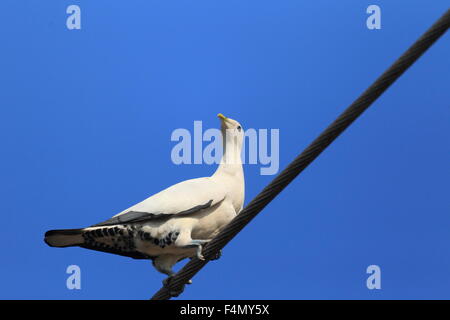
<point x="307" y="156"/>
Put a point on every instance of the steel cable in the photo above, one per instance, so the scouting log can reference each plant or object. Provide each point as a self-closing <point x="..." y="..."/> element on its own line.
<point x="307" y="156"/>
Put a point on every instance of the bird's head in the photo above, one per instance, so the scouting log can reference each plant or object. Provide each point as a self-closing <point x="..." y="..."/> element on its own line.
<point x="230" y="126"/>
<point x="233" y="135"/>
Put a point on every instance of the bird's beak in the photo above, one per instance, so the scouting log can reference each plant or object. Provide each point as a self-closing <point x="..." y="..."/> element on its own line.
<point x="226" y="123"/>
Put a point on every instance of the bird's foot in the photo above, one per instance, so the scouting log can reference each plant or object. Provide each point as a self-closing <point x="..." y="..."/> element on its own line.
<point x="173" y="292"/>
<point x="216" y="256"/>
<point x="199" y="253"/>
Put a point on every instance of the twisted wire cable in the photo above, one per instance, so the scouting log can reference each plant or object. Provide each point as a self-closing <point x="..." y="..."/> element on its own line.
<point x="307" y="156"/>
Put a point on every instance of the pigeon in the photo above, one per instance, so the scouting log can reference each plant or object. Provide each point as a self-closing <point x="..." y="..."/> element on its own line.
<point x="175" y="223"/>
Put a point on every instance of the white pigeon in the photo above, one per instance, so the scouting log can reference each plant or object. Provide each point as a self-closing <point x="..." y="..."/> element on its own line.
<point x="174" y="223"/>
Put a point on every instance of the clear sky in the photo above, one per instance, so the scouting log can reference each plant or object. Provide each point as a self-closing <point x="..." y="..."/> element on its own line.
<point x="86" y="119"/>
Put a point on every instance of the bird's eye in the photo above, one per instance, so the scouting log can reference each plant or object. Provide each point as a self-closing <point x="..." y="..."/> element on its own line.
<point x="239" y="128"/>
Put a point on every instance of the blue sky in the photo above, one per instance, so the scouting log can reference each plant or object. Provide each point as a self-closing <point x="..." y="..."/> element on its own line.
<point x="86" y="118"/>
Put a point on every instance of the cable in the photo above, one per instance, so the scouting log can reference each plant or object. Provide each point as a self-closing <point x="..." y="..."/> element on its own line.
<point x="306" y="157"/>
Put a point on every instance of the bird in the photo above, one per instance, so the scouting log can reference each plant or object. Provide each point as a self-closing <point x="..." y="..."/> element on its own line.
<point x="175" y="223"/>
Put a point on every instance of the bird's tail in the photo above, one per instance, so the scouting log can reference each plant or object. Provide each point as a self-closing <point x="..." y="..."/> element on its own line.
<point x="64" y="238"/>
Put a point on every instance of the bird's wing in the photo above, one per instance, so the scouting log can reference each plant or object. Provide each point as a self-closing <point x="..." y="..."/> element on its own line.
<point x="182" y="198"/>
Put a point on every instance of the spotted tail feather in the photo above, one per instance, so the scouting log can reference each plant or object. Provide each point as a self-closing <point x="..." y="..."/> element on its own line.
<point x="111" y="239"/>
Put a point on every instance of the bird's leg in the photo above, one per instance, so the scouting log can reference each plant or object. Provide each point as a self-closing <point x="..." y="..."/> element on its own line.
<point x="216" y="256"/>
<point x="199" y="245"/>
<point x="166" y="268"/>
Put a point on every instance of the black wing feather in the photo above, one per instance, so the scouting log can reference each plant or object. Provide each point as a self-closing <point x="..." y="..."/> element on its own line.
<point x="138" y="216"/>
